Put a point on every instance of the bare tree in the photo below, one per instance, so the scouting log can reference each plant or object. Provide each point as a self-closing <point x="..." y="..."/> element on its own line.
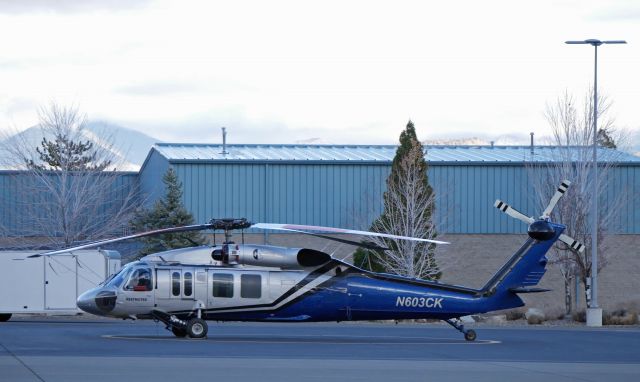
<point x="572" y="156"/>
<point x="72" y="191"/>
<point x="408" y="212"/>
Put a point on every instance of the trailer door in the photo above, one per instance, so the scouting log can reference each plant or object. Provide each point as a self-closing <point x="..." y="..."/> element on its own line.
<point x="60" y="282"/>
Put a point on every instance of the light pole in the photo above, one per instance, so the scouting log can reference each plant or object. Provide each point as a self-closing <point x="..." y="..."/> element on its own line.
<point x="594" y="313"/>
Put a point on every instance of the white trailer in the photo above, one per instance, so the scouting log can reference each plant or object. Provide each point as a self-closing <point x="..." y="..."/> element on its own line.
<point x="51" y="284"/>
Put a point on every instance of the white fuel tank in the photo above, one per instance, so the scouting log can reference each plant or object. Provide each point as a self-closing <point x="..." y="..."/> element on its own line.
<point x="280" y="257"/>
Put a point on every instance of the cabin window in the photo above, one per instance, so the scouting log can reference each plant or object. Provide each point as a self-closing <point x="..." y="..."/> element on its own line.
<point x="188" y="283"/>
<point x="175" y="283"/>
<point x="222" y="285"/>
<point x="140" y="280"/>
<point x="250" y="286"/>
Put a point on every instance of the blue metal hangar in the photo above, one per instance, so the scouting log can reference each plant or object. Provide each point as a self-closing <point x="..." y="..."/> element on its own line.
<point x="342" y="185"/>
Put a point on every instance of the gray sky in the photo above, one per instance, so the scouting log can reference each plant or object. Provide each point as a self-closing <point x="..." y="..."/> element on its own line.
<point x="337" y="71"/>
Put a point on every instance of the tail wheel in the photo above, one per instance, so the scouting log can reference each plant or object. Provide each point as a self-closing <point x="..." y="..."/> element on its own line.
<point x="470" y="335"/>
<point x="197" y="328"/>
<point x="178" y="332"/>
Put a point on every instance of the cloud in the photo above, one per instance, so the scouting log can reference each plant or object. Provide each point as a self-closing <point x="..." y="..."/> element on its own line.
<point x="622" y="11"/>
<point x="205" y="127"/>
<point x="12" y="64"/>
<point x="159" y="88"/>
<point x="618" y="15"/>
<point x="19" y="105"/>
<point x="68" y="6"/>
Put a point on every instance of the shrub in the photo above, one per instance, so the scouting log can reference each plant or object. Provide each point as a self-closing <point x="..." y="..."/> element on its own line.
<point x="561" y="316"/>
<point x="620" y="317"/>
<point x="580" y="316"/>
<point x="514" y="314"/>
<point x="535" y="320"/>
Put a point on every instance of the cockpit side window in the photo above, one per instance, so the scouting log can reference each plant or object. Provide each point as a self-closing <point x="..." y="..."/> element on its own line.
<point x="140" y="280"/>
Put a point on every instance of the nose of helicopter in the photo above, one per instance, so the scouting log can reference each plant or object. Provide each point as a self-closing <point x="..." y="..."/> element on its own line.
<point x="87" y="302"/>
<point x="96" y="301"/>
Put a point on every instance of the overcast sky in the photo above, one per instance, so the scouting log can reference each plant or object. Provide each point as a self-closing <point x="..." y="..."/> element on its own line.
<point x="337" y="71"/>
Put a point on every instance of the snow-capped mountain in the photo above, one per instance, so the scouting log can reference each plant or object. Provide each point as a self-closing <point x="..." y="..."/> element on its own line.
<point x="129" y="147"/>
<point x="475" y="141"/>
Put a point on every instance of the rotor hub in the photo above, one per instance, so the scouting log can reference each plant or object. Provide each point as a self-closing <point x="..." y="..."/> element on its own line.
<point x="230" y="224"/>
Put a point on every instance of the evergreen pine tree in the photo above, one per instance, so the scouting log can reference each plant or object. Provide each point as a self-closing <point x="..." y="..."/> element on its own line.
<point x="374" y="261"/>
<point x="167" y="212"/>
<point x="605" y="139"/>
<point x="66" y="152"/>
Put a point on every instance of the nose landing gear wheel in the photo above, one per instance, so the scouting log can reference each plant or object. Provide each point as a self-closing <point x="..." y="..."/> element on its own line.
<point x="197" y="328"/>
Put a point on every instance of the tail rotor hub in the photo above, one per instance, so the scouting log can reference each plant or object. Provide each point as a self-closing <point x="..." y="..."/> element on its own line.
<point x="541" y="230"/>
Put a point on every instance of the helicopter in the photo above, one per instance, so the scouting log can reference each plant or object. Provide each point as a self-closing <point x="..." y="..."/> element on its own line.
<point x="183" y="288"/>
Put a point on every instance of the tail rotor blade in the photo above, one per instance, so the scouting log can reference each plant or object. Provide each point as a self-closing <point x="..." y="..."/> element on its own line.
<point x="572" y="243"/>
<point x="507" y="209"/>
<point x="554" y="200"/>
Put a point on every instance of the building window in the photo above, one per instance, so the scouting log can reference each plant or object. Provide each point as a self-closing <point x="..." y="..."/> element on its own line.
<point x="188" y="283"/>
<point x="222" y="285"/>
<point x="175" y="283"/>
<point x="250" y="286"/>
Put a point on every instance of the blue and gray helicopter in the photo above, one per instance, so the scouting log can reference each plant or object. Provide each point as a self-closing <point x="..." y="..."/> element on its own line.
<point x="184" y="288"/>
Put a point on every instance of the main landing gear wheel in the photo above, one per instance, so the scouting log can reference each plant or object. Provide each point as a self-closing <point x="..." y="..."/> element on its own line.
<point x="179" y="332"/>
<point x="197" y="328"/>
<point x="470" y="335"/>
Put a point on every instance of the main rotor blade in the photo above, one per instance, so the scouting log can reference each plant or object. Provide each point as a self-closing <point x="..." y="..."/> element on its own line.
<point x="554" y="200"/>
<point x="362" y="244"/>
<point x="197" y="227"/>
<point x="572" y="243"/>
<point x="305" y="228"/>
<point x="507" y="209"/>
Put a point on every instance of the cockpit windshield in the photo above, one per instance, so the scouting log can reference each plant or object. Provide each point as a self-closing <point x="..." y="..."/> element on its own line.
<point x="117" y="279"/>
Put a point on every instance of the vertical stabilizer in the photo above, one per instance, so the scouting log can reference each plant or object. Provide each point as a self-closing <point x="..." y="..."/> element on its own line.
<point x="525" y="268"/>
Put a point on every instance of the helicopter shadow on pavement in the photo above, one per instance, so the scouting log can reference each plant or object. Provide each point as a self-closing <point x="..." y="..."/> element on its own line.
<point x="309" y="339"/>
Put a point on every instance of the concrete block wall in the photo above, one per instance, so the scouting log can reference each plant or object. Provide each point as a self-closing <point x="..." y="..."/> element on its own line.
<point x="474" y="259"/>
<point x="471" y="260"/>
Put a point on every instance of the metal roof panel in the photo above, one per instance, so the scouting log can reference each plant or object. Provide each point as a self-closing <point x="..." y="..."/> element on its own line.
<point x="381" y="153"/>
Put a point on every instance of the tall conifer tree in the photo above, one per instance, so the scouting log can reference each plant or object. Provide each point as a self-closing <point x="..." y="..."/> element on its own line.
<point x="166" y="212"/>
<point x="407" y="186"/>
